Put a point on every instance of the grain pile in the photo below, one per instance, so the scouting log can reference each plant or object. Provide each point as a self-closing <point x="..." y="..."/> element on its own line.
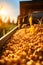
<point x="24" y="48"/>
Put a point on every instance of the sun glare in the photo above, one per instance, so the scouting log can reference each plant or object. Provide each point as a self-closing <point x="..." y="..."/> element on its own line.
<point x="3" y="13"/>
<point x="6" y="10"/>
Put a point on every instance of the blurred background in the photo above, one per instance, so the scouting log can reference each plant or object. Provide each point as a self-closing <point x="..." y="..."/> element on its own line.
<point x="11" y="7"/>
<point x="13" y="10"/>
<point x="9" y="11"/>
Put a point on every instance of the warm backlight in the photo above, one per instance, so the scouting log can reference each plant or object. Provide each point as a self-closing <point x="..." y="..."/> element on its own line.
<point x="3" y="13"/>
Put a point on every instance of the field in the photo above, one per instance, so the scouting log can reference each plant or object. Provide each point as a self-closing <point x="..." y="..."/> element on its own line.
<point x="5" y="28"/>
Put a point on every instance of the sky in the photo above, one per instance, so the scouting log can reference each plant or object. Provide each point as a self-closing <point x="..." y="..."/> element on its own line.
<point x="12" y="7"/>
